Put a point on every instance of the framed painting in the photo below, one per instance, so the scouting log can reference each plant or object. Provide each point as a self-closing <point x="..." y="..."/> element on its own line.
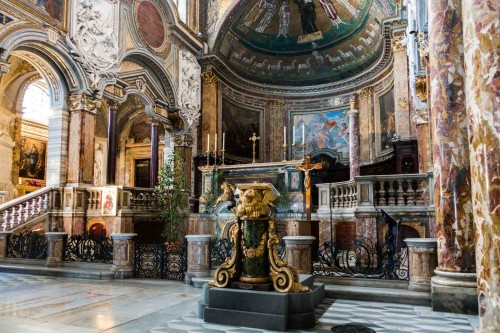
<point x="239" y="123"/>
<point x="387" y="119"/>
<point x="32" y="160"/>
<point x="51" y="11"/>
<point x="322" y="130"/>
<point x="108" y="201"/>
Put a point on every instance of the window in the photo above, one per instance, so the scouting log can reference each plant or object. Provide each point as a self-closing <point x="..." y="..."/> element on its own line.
<point x="182" y="8"/>
<point x="36" y="103"/>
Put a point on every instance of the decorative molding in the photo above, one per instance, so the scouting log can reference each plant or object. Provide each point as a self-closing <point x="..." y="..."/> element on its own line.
<point x="277" y="105"/>
<point x="209" y="77"/>
<point x="52" y="35"/>
<point x="93" y="39"/>
<point x="4" y="67"/>
<point x="421" y="88"/>
<point x="189" y="89"/>
<point x="402" y="103"/>
<point x="83" y="102"/>
<point x="398" y="43"/>
<point x="364" y="93"/>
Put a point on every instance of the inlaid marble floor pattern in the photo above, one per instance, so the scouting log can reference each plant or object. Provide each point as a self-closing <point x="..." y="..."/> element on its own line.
<point x="39" y="304"/>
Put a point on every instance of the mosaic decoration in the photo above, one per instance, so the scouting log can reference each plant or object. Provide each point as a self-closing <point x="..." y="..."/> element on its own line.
<point x="326" y="130"/>
<point x="303" y="42"/>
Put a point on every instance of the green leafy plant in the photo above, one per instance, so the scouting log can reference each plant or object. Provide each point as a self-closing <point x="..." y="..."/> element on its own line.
<point x="212" y="195"/>
<point x="171" y="195"/>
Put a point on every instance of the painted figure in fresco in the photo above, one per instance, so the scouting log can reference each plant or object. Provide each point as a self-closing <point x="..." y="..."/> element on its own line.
<point x="33" y="160"/>
<point x="350" y="8"/>
<point x="284" y="19"/>
<point x="255" y="14"/>
<point x="307" y="12"/>
<point x="331" y="12"/>
<point x="269" y="6"/>
<point x="52" y="7"/>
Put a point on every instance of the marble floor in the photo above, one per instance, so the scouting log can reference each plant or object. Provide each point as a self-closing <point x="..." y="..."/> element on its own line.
<point x="63" y="305"/>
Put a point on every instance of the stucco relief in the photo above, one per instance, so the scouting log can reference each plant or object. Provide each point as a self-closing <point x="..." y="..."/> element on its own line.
<point x="189" y="88"/>
<point x="94" y="37"/>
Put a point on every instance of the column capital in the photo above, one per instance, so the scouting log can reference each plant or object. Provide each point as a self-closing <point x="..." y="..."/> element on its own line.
<point x="183" y="140"/>
<point x="209" y="77"/>
<point x="364" y="93"/>
<point x="83" y="102"/>
<point x="113" y="104"/>
<point x="4" y="67"/>
<point x="398" y="43"/>
<point x="277" y="105"/>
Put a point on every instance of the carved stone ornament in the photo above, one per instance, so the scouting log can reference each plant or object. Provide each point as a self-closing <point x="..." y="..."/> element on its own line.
<point x="277" y="105"/>
<point x="190" y="89"/>
<point x="52" y="35"/>
<point x="93" y="38"/>
<point x="420" y="116"/>
<point x="82" y="102"/>
<point x="209" y="77"/>
<point x="421" y="88"/>
<point x="4" y="67"/>
<point x="364" y="93"/>
<point x="183" y="140"/>
<point x="399" y="43"/>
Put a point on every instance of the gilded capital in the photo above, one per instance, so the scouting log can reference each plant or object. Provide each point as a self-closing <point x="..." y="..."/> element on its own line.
<point x="83" y="102"/>
<point x="209" y="77"/>
<point x="398" y="44"/>
<point x="421" y="88"/>
<point x="364" y="93"/>
<point x="276" y="105"/>
<point x="183" y="140"/>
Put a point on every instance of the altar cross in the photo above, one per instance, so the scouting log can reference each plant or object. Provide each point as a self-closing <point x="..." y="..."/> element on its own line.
<point x="254" y="138"/>
<point x="307" y="167"/>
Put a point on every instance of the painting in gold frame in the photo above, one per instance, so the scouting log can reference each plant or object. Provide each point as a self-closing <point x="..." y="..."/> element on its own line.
<point x="32" y="159"/>
<point x="51" y="11"/>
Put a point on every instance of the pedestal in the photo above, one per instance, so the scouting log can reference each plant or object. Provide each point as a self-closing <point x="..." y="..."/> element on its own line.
<point x="255" y="261"/>
<point x="423" y="261"/>
<point x="4" y="238"/>
<point x="198" y="256"/>
<point x="298" y="253"/>
<point x="55" y="248"/>
<point x="123" y="255"/>
<point x="454" y="292"/>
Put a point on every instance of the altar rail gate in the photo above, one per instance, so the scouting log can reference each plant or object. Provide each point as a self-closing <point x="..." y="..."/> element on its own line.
<point x="161" y="261"/>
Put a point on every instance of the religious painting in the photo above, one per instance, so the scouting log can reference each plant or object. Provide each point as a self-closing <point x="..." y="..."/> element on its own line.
<point x="52" y="11"/>
<point x="32" y="158"/>
<point x="151" y="25"/>
<point x="324" y="130"/>
<point x="387" y="119"/>
<point x="240" y="123"/>
<point x="108" y="201"/>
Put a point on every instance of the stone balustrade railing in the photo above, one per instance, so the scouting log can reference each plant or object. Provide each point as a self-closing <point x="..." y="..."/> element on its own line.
<point x="126" y="198"/>
<point x="376" y="191"/>
<point x="28" y="208"/>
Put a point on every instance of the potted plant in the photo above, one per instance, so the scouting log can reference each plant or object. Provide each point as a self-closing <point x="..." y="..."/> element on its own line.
<point x="171" y="195"/>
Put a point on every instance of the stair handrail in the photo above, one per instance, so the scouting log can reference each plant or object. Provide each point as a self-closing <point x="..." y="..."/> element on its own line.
<point x="25" y="197"/>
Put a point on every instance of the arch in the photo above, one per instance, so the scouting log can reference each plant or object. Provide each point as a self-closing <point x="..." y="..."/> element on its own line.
<point x="53" y="61"/>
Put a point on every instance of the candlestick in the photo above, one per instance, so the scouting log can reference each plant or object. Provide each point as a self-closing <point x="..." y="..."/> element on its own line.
<point x="293" y="135"/>
<point x="284" y="152"/>
<point x="223" y="141"/>
<point x="303" y="150"/>
<point x="303" y="134"/>
<point x="284" y="136"/>
<point x="215" y="146"/>
<point x="222" y="151"/>
<point x="208" y="143"/>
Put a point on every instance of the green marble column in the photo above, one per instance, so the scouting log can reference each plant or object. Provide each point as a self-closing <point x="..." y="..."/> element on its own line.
<point x="254" y="251"/>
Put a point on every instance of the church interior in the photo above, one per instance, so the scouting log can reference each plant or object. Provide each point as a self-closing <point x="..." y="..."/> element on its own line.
<point x="249" y="166"/>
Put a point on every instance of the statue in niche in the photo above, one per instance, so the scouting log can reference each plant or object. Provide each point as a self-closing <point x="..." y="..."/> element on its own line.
<point x="307" y="11"/>
<point x="284" y="27"/>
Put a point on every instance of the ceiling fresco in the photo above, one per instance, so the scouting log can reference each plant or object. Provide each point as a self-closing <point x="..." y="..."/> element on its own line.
<point x="303" y="42"/>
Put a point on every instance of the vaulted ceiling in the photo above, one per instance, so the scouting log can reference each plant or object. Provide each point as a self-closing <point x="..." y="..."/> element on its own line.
<point x="303" y="42"/>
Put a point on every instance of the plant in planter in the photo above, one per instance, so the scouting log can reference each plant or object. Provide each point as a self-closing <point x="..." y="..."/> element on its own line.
<point x="171" y="195"/>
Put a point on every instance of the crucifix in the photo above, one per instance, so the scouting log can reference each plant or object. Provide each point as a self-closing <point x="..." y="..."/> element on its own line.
<point x="307" y="167"/>
<point x="254" y="138"/>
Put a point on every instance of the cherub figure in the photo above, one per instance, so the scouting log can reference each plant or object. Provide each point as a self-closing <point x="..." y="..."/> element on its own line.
<point x="227" y="193"/>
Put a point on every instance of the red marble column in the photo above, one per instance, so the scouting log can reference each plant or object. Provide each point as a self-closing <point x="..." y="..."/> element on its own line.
<point x="452" y="188"/>
<point x="81" y="139"/>
<point x="482" y="65"/>
<point x="354" y="150"/>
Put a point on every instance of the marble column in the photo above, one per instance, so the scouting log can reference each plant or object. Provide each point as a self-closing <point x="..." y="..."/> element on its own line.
<point x="82" y="120"/>
<point x="155" y="143"/>
<point x="299" y="252"/>
<point x="4" y="239"/>
<point x="123" y="255"/>
<point x="401" y="91"/>
<point x="209" y="113"/>
<point x="55" y="248"/>
<point x="422" y="262"/>
<point x="57" y="148"/>
<point x="482" y="89"/>
<point x="112" y="142"/>
<point x="198" y="256"/>
<point x="364" y="97"/>
<point x="452" y="187"/>
<point x="354" y="149"/>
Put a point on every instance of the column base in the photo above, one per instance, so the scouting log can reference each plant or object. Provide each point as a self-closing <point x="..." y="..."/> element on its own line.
<point x="53" y="263"/>
<point x="123" y="273"/>
<point x="454" y="292"/>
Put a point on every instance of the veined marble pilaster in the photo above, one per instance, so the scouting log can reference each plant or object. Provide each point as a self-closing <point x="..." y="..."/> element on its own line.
<point x="482" y="45"/>
<point x="82" y="113"/>
<point x="277" y="109"/>
<point x="57" y="148"/>
<point x="209" y="97"/>
<point x="401" y="92"/>
<point x="354" y="166"/>
<point x="452" y="188"/>
<point x="366" y="126"/>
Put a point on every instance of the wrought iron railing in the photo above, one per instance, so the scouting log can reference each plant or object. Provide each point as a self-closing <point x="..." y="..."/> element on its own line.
<point x="89" y="248"/>
<point x="27" y="245"/>
<point x="161" y="261"/>
<point x="220" y="249"/>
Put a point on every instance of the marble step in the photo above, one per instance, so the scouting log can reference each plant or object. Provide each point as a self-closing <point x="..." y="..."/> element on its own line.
<point x="68" y="269"/>
<point x="386" y="295"/>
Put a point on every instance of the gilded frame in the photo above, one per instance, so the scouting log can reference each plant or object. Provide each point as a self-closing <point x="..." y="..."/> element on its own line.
<point x="32" y="9"/>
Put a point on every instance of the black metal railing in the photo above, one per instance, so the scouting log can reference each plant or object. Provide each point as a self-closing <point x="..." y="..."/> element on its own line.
<point x="89" y="248"/>
<point x="27" y="245"/>
<point x="220" y="249"/>
<point x="160" y="261"/>
<point x="282" y="250"/>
